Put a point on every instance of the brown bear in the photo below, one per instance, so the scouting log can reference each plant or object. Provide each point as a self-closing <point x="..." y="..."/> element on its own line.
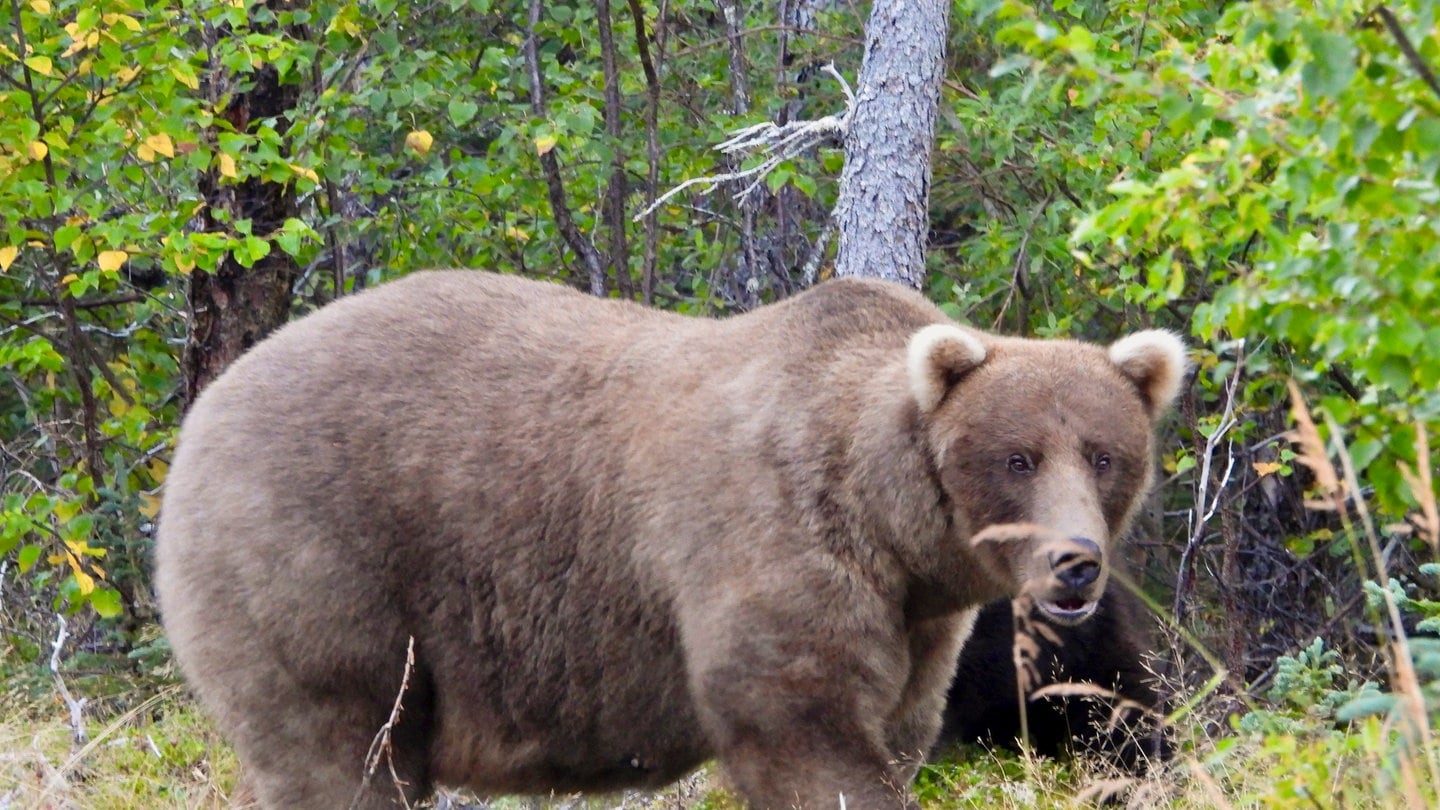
<point x="1108" y="650"/>
<point x="623" y="541"/>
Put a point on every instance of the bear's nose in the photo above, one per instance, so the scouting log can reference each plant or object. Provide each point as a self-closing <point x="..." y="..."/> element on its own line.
<point x="1077" y="569"/>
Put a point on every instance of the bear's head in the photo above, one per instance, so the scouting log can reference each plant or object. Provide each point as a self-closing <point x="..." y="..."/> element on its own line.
<point x="1043" y="451"/>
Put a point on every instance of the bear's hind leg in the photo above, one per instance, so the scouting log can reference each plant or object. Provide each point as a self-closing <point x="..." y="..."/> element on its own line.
<point x="307" y="747"/>
<point x="333" y="756"/>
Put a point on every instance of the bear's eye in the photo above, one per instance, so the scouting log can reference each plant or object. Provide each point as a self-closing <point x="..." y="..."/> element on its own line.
<point x="1020" y="464"/>
<point x="1101" y="462"/>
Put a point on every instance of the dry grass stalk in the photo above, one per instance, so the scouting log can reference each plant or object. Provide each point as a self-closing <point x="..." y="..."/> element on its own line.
<point x="1024" y="651"/>
<point x="1422" y="486"/>
<point x="1313" y="457"/>
<point x="1106" y="791"/>
<point x="1213" y="792"/>
<point x="1415" y="727"/>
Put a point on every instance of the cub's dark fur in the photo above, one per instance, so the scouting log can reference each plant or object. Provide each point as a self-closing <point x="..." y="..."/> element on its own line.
<point x="1109" y="651"/>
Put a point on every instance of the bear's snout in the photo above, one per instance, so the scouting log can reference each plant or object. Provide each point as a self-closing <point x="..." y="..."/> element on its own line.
<point x="1076" y="575"/>
<point x="1077" y="568"/>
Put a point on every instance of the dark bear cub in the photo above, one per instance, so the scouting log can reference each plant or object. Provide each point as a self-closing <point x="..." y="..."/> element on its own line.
<point x="1107" y="651"/>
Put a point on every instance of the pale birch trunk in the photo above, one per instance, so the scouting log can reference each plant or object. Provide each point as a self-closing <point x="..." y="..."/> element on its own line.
<point x="882" y="212"/>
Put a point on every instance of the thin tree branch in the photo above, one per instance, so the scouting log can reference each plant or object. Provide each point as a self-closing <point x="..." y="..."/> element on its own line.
<point x="778" y="143"/>
<point x="76" y="707"/>
<point x="615" y="188"/>
<point x="380" y="745"/>
<point x="652" y="150"/>
<point x="1408" y="49"/>
<point x="550" y="164"/>
<point x="1202" y="514"/>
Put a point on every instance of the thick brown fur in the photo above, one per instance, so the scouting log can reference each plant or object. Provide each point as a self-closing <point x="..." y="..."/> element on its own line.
<point x="625" y="541"/>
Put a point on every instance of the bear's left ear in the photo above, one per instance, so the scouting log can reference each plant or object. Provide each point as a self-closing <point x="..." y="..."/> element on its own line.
<point x="1155" y="361"/>
<point x="937" y="357"/>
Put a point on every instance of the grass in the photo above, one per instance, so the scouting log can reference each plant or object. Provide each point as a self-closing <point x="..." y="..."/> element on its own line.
<point x="162" y="753"/>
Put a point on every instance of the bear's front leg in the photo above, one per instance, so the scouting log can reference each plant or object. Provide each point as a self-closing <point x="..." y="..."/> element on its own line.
<point x="795" y="706"/>
<point x="935" y="645"/>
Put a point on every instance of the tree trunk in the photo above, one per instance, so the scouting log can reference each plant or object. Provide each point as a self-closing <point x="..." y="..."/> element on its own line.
<point x="234" y="307"/>
<point x="883" y="211"/>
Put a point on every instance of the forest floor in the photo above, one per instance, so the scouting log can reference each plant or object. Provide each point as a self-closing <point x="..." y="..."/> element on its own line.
<point x="147" y="745"/>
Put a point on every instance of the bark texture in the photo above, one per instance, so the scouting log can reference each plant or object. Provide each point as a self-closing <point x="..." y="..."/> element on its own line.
<point x="882" y="213"/>
<point x="234" y="307"/>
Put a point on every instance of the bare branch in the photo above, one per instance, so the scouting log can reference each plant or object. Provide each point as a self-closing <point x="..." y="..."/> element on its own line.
<point x="777" y="142"/>
<point x="1408" y="49"/>
<point x="380" y="746"/>
<point x="76" y="707"/>
<point x="1202" y="513"/>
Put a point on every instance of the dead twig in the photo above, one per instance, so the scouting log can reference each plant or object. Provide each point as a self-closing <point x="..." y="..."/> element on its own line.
<point x="1202" y="513"/>
<point x="380" y="746"/>
<point x="76" y="707"/>
<point x="777" y="142"/>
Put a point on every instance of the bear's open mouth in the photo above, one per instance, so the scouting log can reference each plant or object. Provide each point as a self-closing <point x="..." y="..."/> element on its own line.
<point x="1070" y="609"/>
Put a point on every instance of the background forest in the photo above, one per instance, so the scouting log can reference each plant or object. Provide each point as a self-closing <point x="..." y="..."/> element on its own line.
<point x="177" y="178"/>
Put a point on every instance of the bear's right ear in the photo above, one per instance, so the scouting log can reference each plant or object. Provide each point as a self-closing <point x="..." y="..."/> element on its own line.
<point x="938" y="356"/>
<point x="1155" y="361"/>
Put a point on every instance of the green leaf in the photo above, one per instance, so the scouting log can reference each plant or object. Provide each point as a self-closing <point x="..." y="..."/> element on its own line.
<point x="1332" y="63"/>
<point x="28" y="556"/>
<point x="462" y="111"/>
<point x="106" y="602"/>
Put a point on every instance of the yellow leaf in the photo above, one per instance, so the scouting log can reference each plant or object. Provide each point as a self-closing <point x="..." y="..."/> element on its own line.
<point x="145" y="153"/>
<point x="7" y="256"/>
<point x="161" y="143"/>
<point x="517" y="234"/>
<point x="227" y="166"/>
<point x="84" y="580"/>
<point x="149" y="505"/>
<point x="419" y="142"/>
<point x="184" y="262"/>
<point x="544" y="144"/>
<point x="40" y="6"/>
<point x="309" y="173"/>
<point x="185" y="75"/>
<point x="124" y="20"/>
<point x="118" y="407"/>
<point x="1267" y="467"/>
<point x="69" y="277"/>
<point x="112" y="260"/>
<point x="125" y="74"/>
<point x="38" y="150"/>
<point x="40" y="64"/>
